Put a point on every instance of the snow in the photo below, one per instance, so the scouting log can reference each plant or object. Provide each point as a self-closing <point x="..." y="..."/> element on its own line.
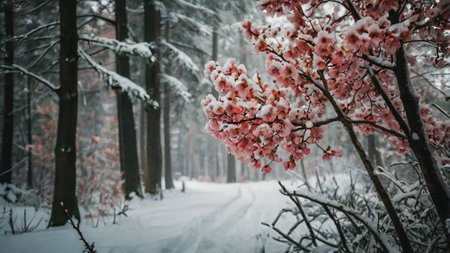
<point x="142" y="49"/>
<point x="180" y="57"/>
<point x="115" y="80"/>
<point x="196" y="7"/>
<point x="177" y="86"/>
<point x="192" y="22"/>
<point x="208" y="217"/>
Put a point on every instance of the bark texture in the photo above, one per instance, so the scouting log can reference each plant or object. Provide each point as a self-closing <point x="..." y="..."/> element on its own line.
<point x="154" y="154"/>
<point x="215" y="148"/>
<point x="29" y="137"/>
<point x="167" y="152"/>
<point x="129" y="163"/>
<point x="8" y="99"/>
<point x="420" y="145"/>
<point x="65" y="150"/>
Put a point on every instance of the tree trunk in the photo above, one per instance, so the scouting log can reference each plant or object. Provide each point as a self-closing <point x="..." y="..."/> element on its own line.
<point x="419" y="143"/>
<point x="8" y="99"/>
<point x="30" y="135"/>
<point x="129" y="163"/>
<point x="168" y="178"/>
<point x="154" y="153"/>
<point x="143" y="142"/>
<point x="215" y="148"/>
<point x="374" y="154"/>
<point x="167" y="155"/>
<point x="231" y="169"/>
<point x="65" y="150"/>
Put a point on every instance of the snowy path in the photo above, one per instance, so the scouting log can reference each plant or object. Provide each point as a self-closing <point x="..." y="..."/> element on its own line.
<point x="207" y="218"/>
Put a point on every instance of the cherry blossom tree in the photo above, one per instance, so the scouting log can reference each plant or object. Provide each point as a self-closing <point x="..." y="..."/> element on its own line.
<point x="352" y="62"/>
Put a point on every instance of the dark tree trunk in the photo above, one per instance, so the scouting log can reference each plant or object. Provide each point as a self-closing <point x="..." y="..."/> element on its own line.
<point x="129" y="163"/>
<point x="30" y="139"/>
<point x="167" y="155"/>
<point x="419" y="143"/>
<point x="154" y="153"/>
<point x="168" y="178"/>
<point x="8" y="100"/>
<point x="215" y="148"/>
<point x="65" y="150"/>
<point x="142" y="142"/>
<point x="231" y="169"/>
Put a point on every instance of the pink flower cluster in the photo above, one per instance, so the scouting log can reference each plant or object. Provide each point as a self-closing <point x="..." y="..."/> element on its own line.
<point x="257" y="122"/>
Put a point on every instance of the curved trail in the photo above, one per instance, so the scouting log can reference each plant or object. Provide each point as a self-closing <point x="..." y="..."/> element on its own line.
<point x="208" y="217"/>
<point x="202" y="235"/>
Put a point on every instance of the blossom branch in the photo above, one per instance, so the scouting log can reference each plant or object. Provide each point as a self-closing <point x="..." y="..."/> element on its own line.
<point x="378" y="62"/>
<point x="383" y="129"/>
<point x="388" y="102"/>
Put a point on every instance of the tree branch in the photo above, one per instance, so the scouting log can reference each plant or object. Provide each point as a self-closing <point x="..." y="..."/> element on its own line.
<point x="378" y="62"/>
<point x="33" y="75"/>
<point x="381" y="128"/>
<point x="111" y="21"/>
<point x="315" y="124"/>
<point x="388" y="102"/>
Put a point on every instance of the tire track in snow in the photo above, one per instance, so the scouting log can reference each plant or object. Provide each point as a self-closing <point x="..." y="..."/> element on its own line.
<point x="191" y="232"/>
<point x="202" y="232"/>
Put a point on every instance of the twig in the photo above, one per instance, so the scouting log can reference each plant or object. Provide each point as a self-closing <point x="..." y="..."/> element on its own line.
<point x="89" y="247"/>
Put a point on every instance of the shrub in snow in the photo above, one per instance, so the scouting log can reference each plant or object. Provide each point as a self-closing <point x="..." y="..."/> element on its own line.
<point x="13" y="194"/>
<point x="350" y="218"/>
<point x="18" y="223"/>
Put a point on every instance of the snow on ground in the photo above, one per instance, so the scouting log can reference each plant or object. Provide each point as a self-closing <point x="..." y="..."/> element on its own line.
<point x="208" y="217"/>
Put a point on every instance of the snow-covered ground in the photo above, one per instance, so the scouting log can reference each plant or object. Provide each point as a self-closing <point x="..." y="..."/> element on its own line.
<point x="208" y="217"/>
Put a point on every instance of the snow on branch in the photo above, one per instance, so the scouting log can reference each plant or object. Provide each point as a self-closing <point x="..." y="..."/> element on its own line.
<point x="177" y="86"/>
<point x="142" y="49"/>
<point x="367" y="222"/>
<point x="193" y="23"/>
<point x="117" y="81"/>
<point x="180" y="57"/>
<point x="195" y="7"/>
<point x="39" y="78"/>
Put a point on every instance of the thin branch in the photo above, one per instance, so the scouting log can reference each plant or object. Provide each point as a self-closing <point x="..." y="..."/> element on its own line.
<point x="87" y="246"/>
<point x="284" y="236"/>
<point x="33" y="75"/>
<point x="343" y="209"/>
<point x="302" y="213"/>
<point x="353" y="10"/>
<point x="441" y="110"/>
<point x="315" y="124"/>
<point x="111" y="21"/>
<point x="338" y="226"/>
<point x="34" y="9"/>
<point x="381" y="128"/>
<point x="378" y="62"/>
<point x="49" y="47"/>
<point x="35" y="30"/>
<point x="428" y="81"/>
<point x="388" y="102"/>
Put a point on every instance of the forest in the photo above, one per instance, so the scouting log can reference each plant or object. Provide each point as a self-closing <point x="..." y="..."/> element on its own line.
<point x="224" y="126"/>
